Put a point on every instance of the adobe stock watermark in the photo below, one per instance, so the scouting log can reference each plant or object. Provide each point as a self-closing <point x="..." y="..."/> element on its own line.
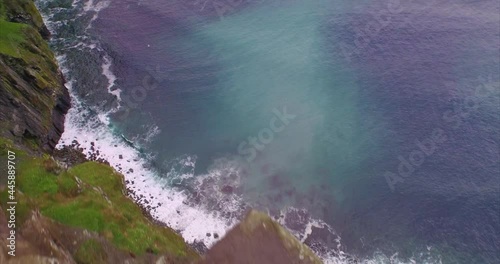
<point x="11" y="202"/>
<point x="426" y="147"/>
<point x="380" y="20"/>
<point x="131" y="100"/>
<point x="408" y="165"/>
<point x="221" y="7"/>
<point x="396" y="12"/>
<point x="249" y="148"/>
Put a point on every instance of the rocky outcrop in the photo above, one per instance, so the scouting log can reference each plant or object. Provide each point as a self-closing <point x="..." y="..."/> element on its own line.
<point x="24" y="11"/>
<point x="35" y="242"/>
<point x="259" y="239"/>
<point x="59" y="206"/>
<point x="42" y="240"/>
<point x="33" y="98"/>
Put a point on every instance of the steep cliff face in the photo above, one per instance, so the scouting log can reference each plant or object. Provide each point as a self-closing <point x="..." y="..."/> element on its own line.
<point x="33" y="98"/>
<point x="80" y="213"/>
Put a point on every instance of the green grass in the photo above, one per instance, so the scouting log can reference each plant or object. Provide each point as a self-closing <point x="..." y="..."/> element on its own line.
<point x="90" y="252"/>
<point x="67" y="185"/>
<point x="35" y="180"/>
<point x="23" y="42"/>
<point x="95" y="202"/>
<point x="26" y="55"/>
<point x="77" y="213"/>
<point x="11" y="38"/>
<point x="13" y="35"/>
<point x="21" y="7"/>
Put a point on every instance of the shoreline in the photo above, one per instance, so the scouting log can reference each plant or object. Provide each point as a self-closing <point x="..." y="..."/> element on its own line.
<point x="74" y="154"/>
<point x="102" y="145"/>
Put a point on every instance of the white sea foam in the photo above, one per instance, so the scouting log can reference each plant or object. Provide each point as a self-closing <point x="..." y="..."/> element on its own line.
<point x="176" y="208"/>
<point x="152" y="132"/>
<point x="95" y="7"/>
<point x="106" y="71"/>
<point x="167" y="205"/>
<point x="216" y="204"/>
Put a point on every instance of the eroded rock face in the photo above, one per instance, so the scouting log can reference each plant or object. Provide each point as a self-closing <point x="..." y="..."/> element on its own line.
<point x="258" y="239"/>
<point x="34" y="243"/>
<point x="33" y="98"/>
<point x="40" y="240"/>
<point x="33" y="102"/>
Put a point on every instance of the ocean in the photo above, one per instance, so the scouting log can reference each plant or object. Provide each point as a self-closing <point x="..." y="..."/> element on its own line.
<point x="370" y="129"/>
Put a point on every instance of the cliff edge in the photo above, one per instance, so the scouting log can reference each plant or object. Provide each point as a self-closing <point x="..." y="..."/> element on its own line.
<point x="33" y="98"/>
<point x="79" y="212"/>
<point x="259" y="239"/>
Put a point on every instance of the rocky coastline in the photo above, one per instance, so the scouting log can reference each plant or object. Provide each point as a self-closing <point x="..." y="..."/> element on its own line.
<point x="33" y="98"/>
<point x="72" y="206"/>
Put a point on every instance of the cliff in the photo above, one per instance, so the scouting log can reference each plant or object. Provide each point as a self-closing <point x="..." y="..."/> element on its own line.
<point x="78" y="211"/>
<point x="80" y="214"/>
<point x="259" y="239"/>
<point x="33" y="98"/>
<point x="77" y="214"/>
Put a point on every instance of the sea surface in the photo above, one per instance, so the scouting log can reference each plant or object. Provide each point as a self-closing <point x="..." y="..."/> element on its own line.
<point x="370" y="129"/>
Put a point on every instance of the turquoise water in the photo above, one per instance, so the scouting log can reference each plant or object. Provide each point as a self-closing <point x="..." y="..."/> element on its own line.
<point x="282" y="68"/>
<point x="311" y="104"/>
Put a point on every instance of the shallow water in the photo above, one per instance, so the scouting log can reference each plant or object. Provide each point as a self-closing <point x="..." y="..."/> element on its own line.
<point x="379" y="120"/>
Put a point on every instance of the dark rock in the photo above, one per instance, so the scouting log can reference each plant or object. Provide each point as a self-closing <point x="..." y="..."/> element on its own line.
<point x="227" y="189"/>
<point x="26" y="101"/>
<point x="70" y="155"/>
<point x="199" y="247"/>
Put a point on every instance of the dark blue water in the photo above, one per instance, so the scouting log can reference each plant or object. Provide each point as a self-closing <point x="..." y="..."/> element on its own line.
<point x="380" y="118"/>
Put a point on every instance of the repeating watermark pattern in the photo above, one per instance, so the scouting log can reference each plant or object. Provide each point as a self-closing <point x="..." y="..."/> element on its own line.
<point x="397" y="14"/>
<point x="221" y="7"/>
<point x="379" y="20"/>
<point x="249" y="148"/>
<point x="407" y="165"/>
<point x="131" y="100"/>
<point x="426" y="147"/>
<point x="11" y="202"/>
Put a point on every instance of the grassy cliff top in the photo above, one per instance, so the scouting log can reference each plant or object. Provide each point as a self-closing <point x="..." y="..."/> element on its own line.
<point x="82" y="214"/>
<point x="89" y="196"/>
<point x="21" y="38"/>
<point x="33" y="99"/>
